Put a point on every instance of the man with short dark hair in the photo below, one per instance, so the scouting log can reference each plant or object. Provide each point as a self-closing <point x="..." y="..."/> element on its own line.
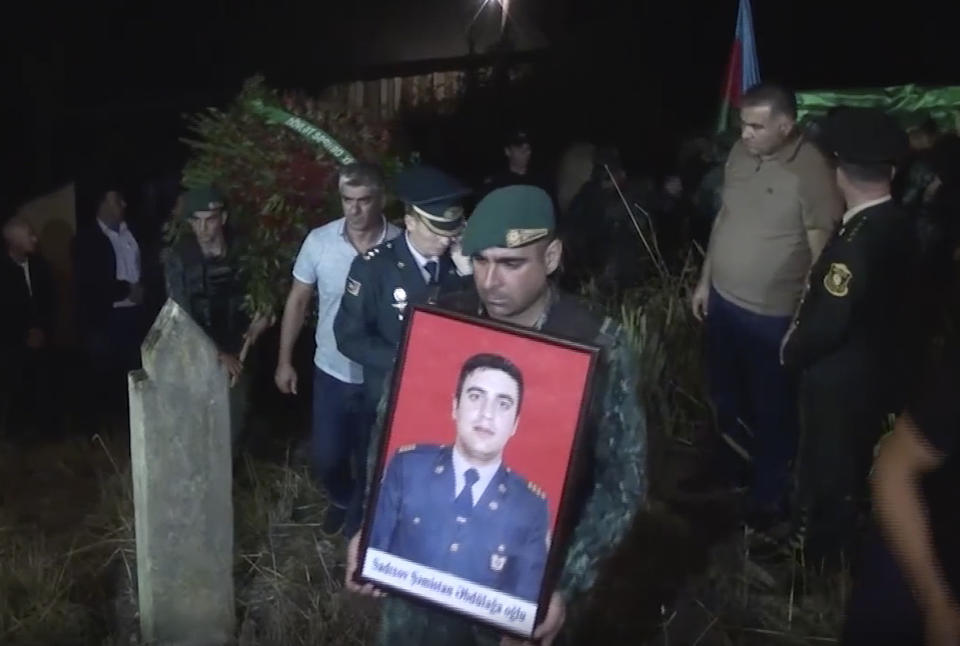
<point x="458" y="508"/>
<point x="518" y="151"/>
<point x="850" y="340"/>
<point x="338" y="395"/>
<point x="203" y="277"/>
<point x="511" y="238"/>
<point x="779" y="206"/>
<point x="110" y="295"/>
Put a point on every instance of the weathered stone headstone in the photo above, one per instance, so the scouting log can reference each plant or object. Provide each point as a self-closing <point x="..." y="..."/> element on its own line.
<point x="181" y="462"/>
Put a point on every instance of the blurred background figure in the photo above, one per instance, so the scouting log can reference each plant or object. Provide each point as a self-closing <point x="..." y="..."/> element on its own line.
<point x="110" y="296"/>
<point x="28" y="299"/>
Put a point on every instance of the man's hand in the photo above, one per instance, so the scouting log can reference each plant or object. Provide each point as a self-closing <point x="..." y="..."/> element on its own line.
<point x="548" y="630"/>
<point x="36" y="339"/>
<point x="136" y="293"/>
<point x="353" y="549"/>
<point x="942" y="623"/>
<point x="260" y="324"/>
<point x="463" y="263"/>
<point x="701" y="296"/>
<point x="233" y="365"/>
<point x="286" y="379"/>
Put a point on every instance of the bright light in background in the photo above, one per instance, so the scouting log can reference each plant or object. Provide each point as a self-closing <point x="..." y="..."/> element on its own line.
<point x="504" y="11"/>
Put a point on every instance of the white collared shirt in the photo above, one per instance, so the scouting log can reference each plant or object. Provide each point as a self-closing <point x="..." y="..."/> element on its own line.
<point x="863" y="207"/>
<point x="421" y="259"/>
<point x="127" y="252"/>
<point x="486" y="472"/>
<point x="324" y="260"/>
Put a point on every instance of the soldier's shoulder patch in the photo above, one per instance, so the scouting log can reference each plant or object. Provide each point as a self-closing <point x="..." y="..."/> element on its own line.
<point x="406" y="448"/>
<point x="536" y="490"/>
<point x="837" y="280"/>
<point x="353" y="287"/>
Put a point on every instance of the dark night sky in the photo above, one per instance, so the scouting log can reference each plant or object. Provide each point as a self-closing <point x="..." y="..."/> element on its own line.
<point x="72" y="71"/>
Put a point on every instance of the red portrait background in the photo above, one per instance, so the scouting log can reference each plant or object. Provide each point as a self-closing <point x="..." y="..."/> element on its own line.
<point x="554" y="379"/>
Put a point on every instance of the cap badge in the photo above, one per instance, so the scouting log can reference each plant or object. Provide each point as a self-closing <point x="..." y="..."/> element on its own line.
<point x="453" y="213"/>
<point x="520" y="237"/>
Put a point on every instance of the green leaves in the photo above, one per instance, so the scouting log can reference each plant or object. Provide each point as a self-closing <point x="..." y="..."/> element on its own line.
<point x="279" y="184"/>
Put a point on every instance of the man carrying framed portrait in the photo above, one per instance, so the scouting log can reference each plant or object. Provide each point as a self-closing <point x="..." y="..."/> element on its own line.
<point x="511" y="240"/>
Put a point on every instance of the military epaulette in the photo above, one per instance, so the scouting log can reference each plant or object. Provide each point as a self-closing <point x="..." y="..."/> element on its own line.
<point x="537" y="491"/>
<point x="406" y="448"/>
<point x="373" y="253"/>
<point x="849" y="234"/>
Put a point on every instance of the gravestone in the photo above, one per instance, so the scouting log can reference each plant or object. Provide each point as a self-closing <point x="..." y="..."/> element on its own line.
<point x="181" y="462"/>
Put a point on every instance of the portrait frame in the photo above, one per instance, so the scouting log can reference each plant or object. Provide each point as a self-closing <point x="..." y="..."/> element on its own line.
<point x="556" y="386"/>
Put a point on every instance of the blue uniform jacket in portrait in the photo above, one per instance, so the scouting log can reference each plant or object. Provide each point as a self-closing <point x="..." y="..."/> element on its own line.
<point x="502" y="544"/>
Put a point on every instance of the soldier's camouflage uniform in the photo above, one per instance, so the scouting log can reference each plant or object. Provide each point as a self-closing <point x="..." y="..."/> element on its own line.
<point x="617" y="441"/>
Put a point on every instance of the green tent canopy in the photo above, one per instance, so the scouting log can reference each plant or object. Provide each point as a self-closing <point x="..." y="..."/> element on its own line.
<point x="911" y="104"/>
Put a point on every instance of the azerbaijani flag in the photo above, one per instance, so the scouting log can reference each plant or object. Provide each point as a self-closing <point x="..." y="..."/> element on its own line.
<point x="743" y="69"/>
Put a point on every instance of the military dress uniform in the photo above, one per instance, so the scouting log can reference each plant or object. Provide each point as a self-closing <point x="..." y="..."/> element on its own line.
<point x="500" y="543"/>
<point x="386" y="280"/>
<point x="848" y="341"/>
<point x="615" y="446"/>
<point x="381" y="285"/>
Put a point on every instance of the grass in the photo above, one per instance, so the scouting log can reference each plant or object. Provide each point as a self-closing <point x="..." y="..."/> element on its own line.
<point x="289" y="574"/>
<point x="68" y="570"/>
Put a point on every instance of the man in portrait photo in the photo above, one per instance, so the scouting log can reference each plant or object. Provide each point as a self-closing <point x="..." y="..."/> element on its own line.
<point x="459" y="509"/>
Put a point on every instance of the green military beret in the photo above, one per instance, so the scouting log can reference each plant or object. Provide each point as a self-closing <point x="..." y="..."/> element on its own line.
<point x="513" y="216"/>
<point x="202" y="198"/>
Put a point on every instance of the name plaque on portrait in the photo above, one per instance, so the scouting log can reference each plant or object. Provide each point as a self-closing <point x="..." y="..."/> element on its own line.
<point x="485" y="604"/>
<point x="478" y="470"/>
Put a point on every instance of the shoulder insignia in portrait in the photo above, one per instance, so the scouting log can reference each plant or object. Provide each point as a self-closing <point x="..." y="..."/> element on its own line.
<point x="406" y="448"/>
<point x="837" y="280"/>
<point x="353" y="287"/>
<point x="537" y="491"/>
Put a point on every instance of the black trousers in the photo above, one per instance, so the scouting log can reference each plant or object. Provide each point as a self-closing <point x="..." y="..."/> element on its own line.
<point x="30" y="393"/>
<point x="112" y="351"/>
<point x="841" y="420"/>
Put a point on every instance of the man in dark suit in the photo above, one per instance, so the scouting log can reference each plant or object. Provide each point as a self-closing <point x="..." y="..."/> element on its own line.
<point x="851" y="335"/>
<point x="459" y="508"/>
<point x="26" y="327"/>
<point x="109" y="296"/>
<point x="399" y="273"/>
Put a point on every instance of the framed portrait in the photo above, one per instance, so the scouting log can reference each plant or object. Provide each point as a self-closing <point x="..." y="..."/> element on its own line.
<point x="480" y="468"/>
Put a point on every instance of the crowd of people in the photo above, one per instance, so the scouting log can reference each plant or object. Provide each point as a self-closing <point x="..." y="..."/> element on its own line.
<point x="829" y="266"/>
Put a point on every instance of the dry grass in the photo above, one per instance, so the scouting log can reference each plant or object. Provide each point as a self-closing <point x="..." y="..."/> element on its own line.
<point x="289" y="574"/>
<point x="68" y="554"/>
